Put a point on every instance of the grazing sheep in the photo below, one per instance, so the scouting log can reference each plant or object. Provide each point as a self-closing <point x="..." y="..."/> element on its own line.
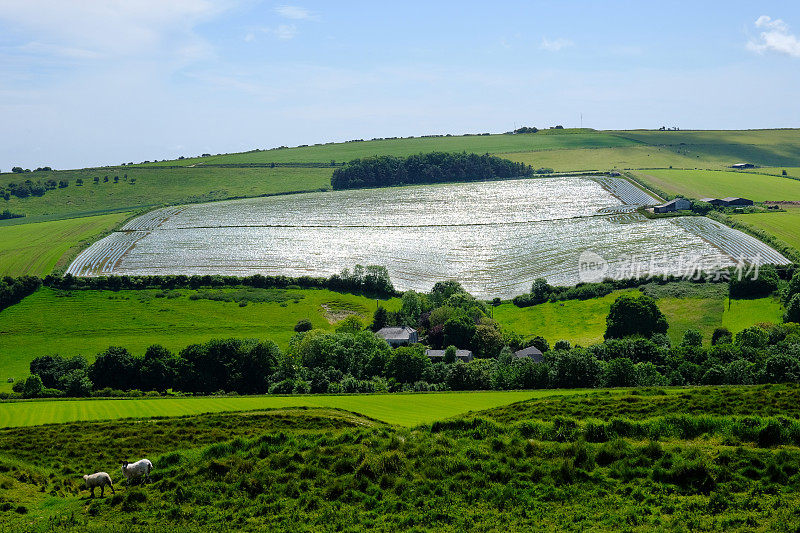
<point x="140" y="468"/>
<point x="99" y="479"/>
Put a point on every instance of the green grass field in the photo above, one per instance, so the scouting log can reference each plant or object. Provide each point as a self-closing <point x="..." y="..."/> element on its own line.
<point x="401" y="409"/>
<point x="719" y="184"/>
<point x="34" y="249"/>
<point x="584" y="321"/>
<point x="87" y="322"/>
<point x="785" y="226"/>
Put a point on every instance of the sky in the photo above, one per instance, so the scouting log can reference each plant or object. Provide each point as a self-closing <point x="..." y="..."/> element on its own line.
<point x="91" y="82"/>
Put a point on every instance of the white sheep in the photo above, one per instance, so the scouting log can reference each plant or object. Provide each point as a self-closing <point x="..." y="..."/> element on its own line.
<point x="140" y="468"/>
<point x="99" y="479"/>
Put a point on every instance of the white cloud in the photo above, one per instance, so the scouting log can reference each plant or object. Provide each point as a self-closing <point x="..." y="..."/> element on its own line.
<point x="555" y="45"/>
<point x="775" y="37"/>
<point x="283" y="31"/>
<point x="111" y="28"/>
<point x="294" y="12"/>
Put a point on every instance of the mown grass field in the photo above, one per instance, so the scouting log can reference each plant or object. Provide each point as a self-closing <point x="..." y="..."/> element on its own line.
<point x="87" y="322"/>
<point x="400" y="409"/>
<point x="712" y="458"/>
<point x="719" y="184"/>
<point x="34" y="249"/>
<point x="785" y="226"/>
<point x="584" y="321"/>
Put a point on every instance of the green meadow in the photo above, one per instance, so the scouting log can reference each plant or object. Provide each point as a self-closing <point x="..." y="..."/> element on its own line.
<point x="87" y="322"/>
<point x="583" y="322"/>
<point x="35" y="249"/>
<point x="719" y="184"/>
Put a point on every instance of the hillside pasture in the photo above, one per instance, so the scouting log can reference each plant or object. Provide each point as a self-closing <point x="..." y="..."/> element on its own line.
<point x="35" y="249"/>
<point x="720" y="184"/>
<point x="481" y="144"/>
<point x="148" y="187"/>
<point x="619" y="157"/>
<point x="761" y="147"/>
<point x="87" y="322"/>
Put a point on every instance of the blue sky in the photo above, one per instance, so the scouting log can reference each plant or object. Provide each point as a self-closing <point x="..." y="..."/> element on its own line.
<point x="107" y="81"/>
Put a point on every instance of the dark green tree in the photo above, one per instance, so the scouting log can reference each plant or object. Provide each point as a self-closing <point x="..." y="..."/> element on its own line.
<point x="634" y="315"/>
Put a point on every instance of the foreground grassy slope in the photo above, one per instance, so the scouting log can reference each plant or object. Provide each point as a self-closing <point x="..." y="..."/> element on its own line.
<point x="719" y="184"/>
<point x="401" y="409"/>
<point x="86" y="322"/>
<point x="34" y="249"/>
<point x="584" y="321"/>
<point x="545" y="464"/>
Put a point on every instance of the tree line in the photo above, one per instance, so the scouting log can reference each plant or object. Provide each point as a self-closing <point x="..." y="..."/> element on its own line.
<point x="636" y="352"/>
<point x="433" y="167"/>
<point x="371" y="280"/>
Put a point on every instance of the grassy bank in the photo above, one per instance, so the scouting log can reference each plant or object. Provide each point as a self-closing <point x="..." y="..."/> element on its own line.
<point x="720" y="184"/>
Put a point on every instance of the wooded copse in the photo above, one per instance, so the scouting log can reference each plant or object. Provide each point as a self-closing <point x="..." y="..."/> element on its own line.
<point x="433" y="167"/>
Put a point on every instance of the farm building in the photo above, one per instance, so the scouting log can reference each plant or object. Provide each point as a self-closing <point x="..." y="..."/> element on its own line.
<point x="740" y="166"/>
<point x="531" y="352"/>
<point x="713" y="201"/>
<point x="732" y="200"/>
<point x="398" y="336"/>
<point x="437" y="356"/>
<point x="677" y="204"/>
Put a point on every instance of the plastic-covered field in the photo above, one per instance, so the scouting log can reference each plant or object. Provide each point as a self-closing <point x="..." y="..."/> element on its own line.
<point x="493" y="237"/>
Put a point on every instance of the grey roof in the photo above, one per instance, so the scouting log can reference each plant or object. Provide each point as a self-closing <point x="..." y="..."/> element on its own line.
<point x="732" y="198"/>
<point x="708" y="200"/>
<point x="440" y="353"/>
<point x="531" y="351"/>
<point x="399" y="334"/>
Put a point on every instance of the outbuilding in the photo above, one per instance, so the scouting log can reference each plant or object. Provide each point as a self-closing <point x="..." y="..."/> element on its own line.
<point x="437" y="356"/>
<point x="734" y="200"/>
<point x="531" y="352"/>
<point x="398" y="336"/>
<point x="713" y="201"/>
<point x="739" y="166"/>
<point x="678" y="204"/>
